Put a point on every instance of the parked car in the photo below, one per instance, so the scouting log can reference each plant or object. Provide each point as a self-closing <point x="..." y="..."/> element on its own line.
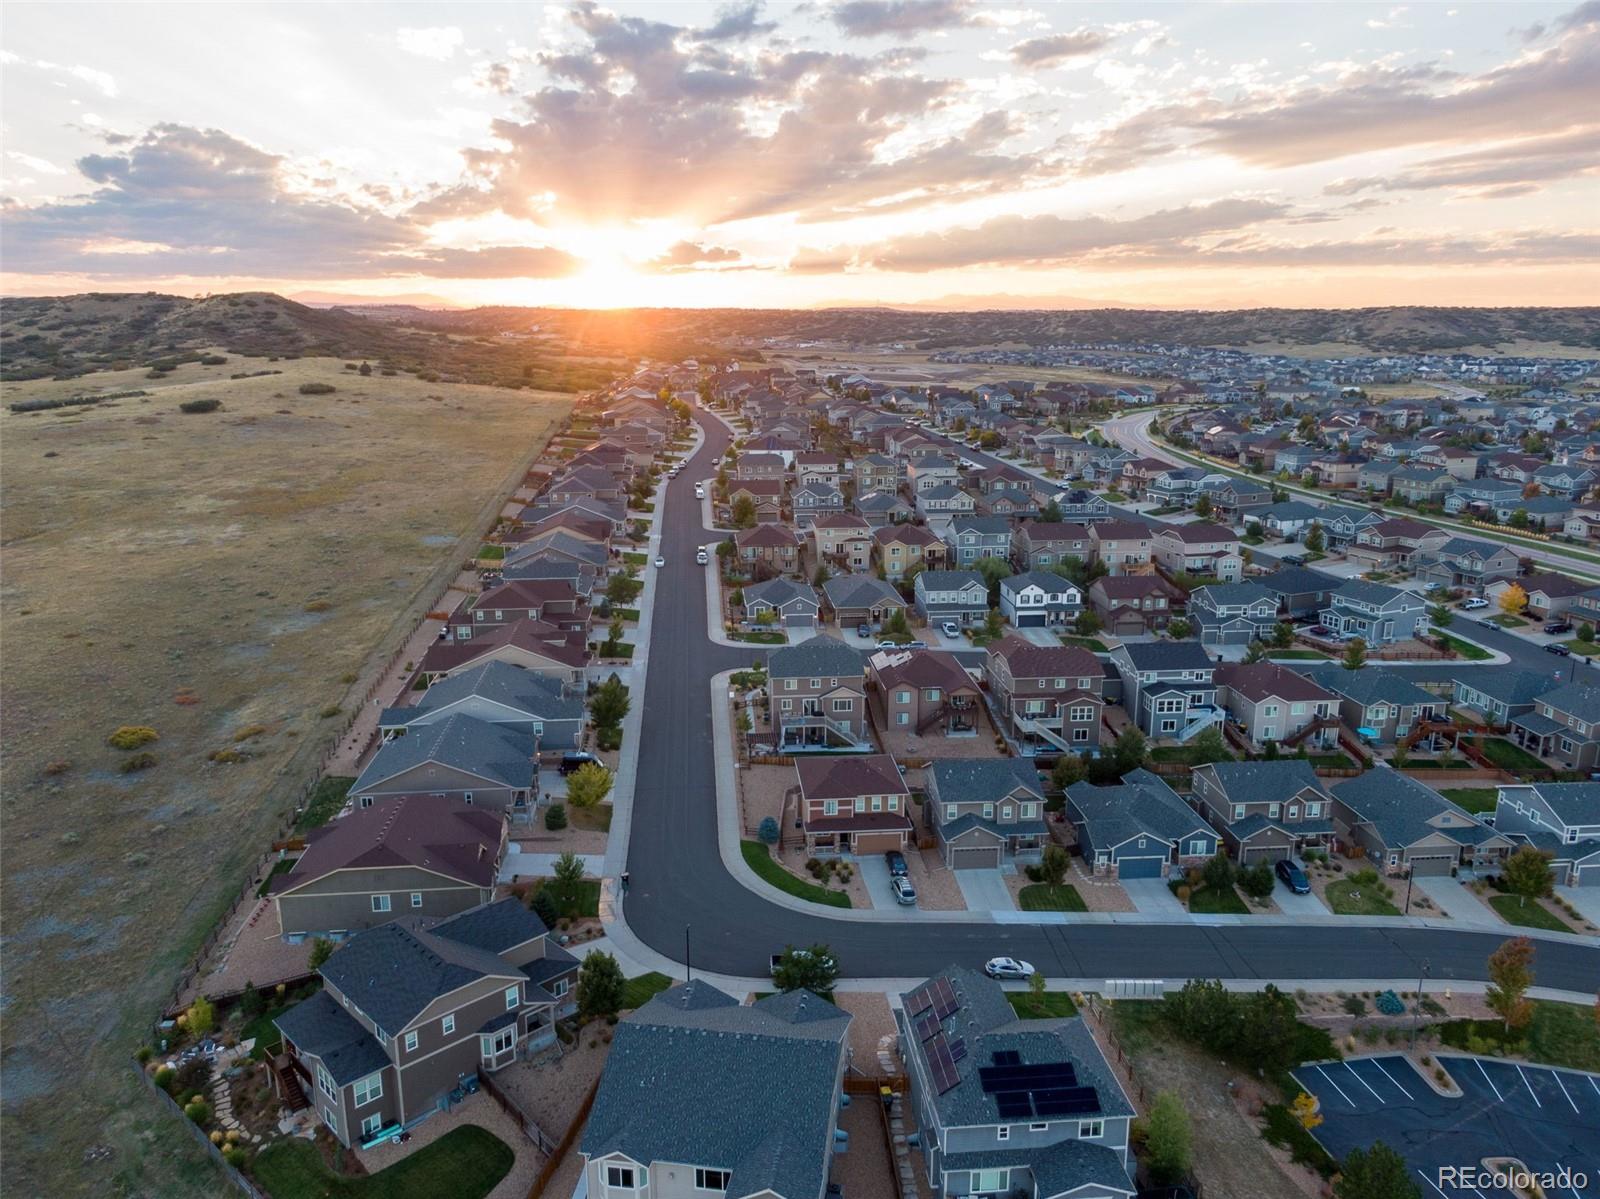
<point x="897" y="863"/>
<point x="904" y="892"/>
<point x="1008" y="968"/>
<point x="575" y="761"/>
<point x="1293" y="877"/>
<point x="1557" y="626"/>
<point x="863" y="630"/>
<point x="1473" y="604"/>
<point x="660" y="562"/>
<point x="950" y="629"/>
<point x="699" y="491"/>
<point x="1292" y="559"/>
<point x="1561" y="651"/>
<point x="888" y="645"/>
<point x="916" y="645"/>
<point x="701" y="557"/>
<point x="1488" y="624"/>
<point x="1320" y="630"/>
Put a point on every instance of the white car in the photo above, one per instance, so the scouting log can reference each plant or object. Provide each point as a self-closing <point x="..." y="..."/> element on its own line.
<point x="701" y="558"/>
<point x="1476" y="602"/>
<point x="699" y="491"/>
<point x="1008" y="968"/>
<point x="660" y="562"/>
<point x="951" y="628"/>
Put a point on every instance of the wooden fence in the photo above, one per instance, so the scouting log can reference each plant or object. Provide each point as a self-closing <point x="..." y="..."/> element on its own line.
<point x="244" y="1185"/>
<point x="509" y="1106"/>
<point x="552" y="1163"/>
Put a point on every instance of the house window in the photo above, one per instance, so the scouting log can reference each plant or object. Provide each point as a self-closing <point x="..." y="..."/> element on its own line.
<point x="786" y="705"/>
<point x="513" y="997"/>
<point x="830" y="807"/>
<point x="371" y="1125"/>
<point x="949" y="811"/>
<point x="902" y="717"/>
<point x="1294" y="811"/>
<point x="1168" y="726"/>
<point x="1080" y="734"/>
<point x="1197" y="847"/>
<point x="843" y="705"/>
<point x="1030" y="811"/>
<point x="416" y="899"/>
<point x="411" y="1042"/>
<point x="620" y="1176"/>
<point x="1091" y="1129"/>
<point x="711" y="1180"/>
<point x="1269" y="710"/>
<point x="325" y="1083"/>
<point x="877" y="803"/>
<point x="367" y="1089"/>
<point x="448" y="1024"/>
<point x="1003" y="1133"/>
<point x="894" y="803"/>
<point x="380" y="903"/>
<point x="1272" y="811"/>
<point x="990" y="1182"/>
<point x="988" y="811"/>
<point x="1238" y="811"/>
<point x="1045" y="1127"/>
<point x="902" y="697"/>
<point x="1080" y="713"/>
<point x="558" y="988"/>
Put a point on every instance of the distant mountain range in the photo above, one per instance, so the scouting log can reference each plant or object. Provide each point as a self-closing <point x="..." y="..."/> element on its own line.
<point x="996" y="302"/>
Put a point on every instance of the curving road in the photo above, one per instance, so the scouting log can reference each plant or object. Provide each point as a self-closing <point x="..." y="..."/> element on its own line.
<point x="678" y="881"/>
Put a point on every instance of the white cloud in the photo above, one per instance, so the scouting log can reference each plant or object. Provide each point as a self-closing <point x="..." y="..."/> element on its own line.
<point x="42" y="165"/>
<point x="437" y="41"/>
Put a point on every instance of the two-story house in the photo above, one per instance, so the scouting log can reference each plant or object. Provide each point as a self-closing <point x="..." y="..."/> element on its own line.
<point x="814" y="501"/>
<point x="458" y="758"/>
<point x="815" y="467"/>
<point x="1051" y="696"/>
<point x="744" y="1099"/>
<point x="1563" y="728"/>
<point x="1140" y="829"/>
<point x="1039" y="545"/>
<point x="1039" y="599"/>
<point x="1378" y="705"/>
<point x="1497" y="696"/>
<point x="1379" y="615"/>
<point x="1233" y="613"/>
<point x="498" y="693"/>
<point x="1392" y="543"/>
<point x="876" y="472"/>
<point x="766" y="495"/>
<point x="849" y="804"/>
<point x="945" y="501"/>
<point x="926" y="473"/>
<point x="1301" y="591"/>
<point x="923" y="693"/>
<point x="773" y="544"/>
<point x="1264" y="810"/>
<point x="1123" y="547"/>
<point x="1204" y="549"/>
<point x="985" y="811"/>
<point x="1273" y="703"/>
<point x="410" y="1008"/>
<point x="951" y="595"/>
<point x="843" y="539"/>
<point x="1004" y="1106"/>
<point x="972" y="538"/>
<point x="1168" y="687"/>
<point x="1405" y="826"/>
<point x="1549" y="595"/>
<point x="1462" y="562"/>
<point x="817" y="697"/>
<point x="899" y="548"/>
<point x="1561" y="819"/>
<point x="1129" y="605"/>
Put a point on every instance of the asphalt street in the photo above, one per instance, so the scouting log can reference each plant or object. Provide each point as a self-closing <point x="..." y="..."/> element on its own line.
<point x="683" y="903"/>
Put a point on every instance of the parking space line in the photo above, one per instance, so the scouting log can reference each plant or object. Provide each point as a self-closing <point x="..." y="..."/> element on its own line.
<point x="1529" y="1085"/>
<point x="1432" y="1184"/>
<point x="1556" y="1074"/>
<point x="1349" y="1066"/>
<point x="1335" y="1086"/>
<point x="1391" y="1078"/>
<point x="1498" y="1096"/>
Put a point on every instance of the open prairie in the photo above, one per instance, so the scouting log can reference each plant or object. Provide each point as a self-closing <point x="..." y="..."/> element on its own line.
<point x="224" y="579"/>
<point x="913" y="368"/>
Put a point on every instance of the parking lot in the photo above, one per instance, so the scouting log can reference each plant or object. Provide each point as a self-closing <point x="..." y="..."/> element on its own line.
<point x="1546" y="1118"/>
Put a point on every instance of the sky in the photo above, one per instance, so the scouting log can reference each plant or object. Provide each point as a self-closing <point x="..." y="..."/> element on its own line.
<point x="790" y="155"/>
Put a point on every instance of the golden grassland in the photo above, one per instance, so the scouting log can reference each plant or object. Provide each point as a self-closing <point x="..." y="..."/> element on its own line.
<point x="206" y="575"/>
<point x="912" y="367"/>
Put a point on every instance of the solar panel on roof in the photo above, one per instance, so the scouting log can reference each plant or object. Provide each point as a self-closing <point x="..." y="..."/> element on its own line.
<point x="941" y="1066"/>
<point x="1028" y="1078"/>
<point x="1067" y="1101"/>
<point x="944" y="998"/>
<point x="1012" y="1105"/>
<point x="958" y="1048"/>
<point x="919" y="1000"/>
<point x="1007" y="1057"/>
<point x="926" y="1026"/>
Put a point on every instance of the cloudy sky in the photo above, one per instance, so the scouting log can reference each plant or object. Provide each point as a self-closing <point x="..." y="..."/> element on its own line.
<point x="794" y="154"/>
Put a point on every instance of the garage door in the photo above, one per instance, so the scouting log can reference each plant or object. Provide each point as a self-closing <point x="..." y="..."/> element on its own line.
<point x="983" y="858"/>
<point x="1425" y="867"/>
<point x="1589" y="876"/>
<point x="1030" y="620"/>
<point x="1139" y="868"/>
<point x="1263" y="853"/>
<point x="867" y="843"/>
<point x="799" y="622"/>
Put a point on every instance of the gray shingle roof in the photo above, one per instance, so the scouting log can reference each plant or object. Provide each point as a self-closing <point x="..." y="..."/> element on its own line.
<point x="1508" y="686"/>
<point x="1297" y="580"/>
<point x="1400" y="808"/>
<point x="1112" y="815"/>
<point x="1167" y="655"/>
<point x="1575" y="803"/>
<point x="697" y="1078"/>
<point x="490" y="751"/>
<point x="950" y="580"/>
<point x="496" y="926"/>
<point x="1374" y="593"/>
<point x="1265" y="782"/>
<point x="779" y="592"/>
<point x="860" y="591"/>
<point x="1059" y="1169"/>
<point x="320" y="1027"/>
<point x="815" y="657"/>
<point x="521" y="690"/>
<point x="979" y="780"/>
<point x="1371" y="685"/>
<point x="1575" y="699"/>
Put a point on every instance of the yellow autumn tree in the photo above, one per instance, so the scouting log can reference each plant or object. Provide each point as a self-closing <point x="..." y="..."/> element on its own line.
<point x="1305" y="1111"/>
<point x="1513" y="600"/>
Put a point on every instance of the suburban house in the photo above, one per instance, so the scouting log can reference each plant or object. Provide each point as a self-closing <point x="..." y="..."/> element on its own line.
<point x="945" y="500"/>
<point x="744" y="1099"/>
<point x="1562" y="819"/>
<point x="1168" y="687"/>
<point x="410" y="1008"/>
<point x="1288" y="520"/>
<point x="876" y="472"/>
<point x="1391" y="543"/>
<point x="1233" y="613"/>
<point x="760" y="466"/>
<point x="1037" y="544"/>
<point x="955" y="595"/>
<point x="1377" y="614"/>
<point x="817" y="697"/>
<point x="1005" y="1106"/>
<point x="793" y="605"/>
<point x="1463" y="562"/>
<point x="1082" y="507"/>
<point x="1268" y="702"/>
<point x="881" y="508"/>
<point x="1563" y="728"/>
<point x="814" y="467"/>
<point x="924" y="693"/>
<point x="1140" y="829"/>
<point x="852" y="804"/>
<point x="765" y="495"/>
<point x="1379" y="705"/>
<point x="1039" y="599"/>
<point x="401" y="856"/>
<point x="842" y="538"/>
<point x="1264" y="810"/>
<point x="1498" y="696"/>
<point x="924" y="474"/>
<point x="856" y="600"/>
<point x="773" y="544"/>
<point x="1123" y="547"/>
<point x="900" y="548"/>
<point x="1207" y="550"/>
<point x="973" y="537"/>
<point x="1549" y="595"/>
<point x="1402" y="825"/>
<point x="1300" y="590"/>
<point x="985" y="811"/>
<point x="1130" y="605"/>
<point x="459" y="758"/>
<point x="499" y="694"/>
<point x="1049" y="695"/>
<point x="559" y="654"/>
<point x="552" y="600"/>
<point x="814" y="501"/>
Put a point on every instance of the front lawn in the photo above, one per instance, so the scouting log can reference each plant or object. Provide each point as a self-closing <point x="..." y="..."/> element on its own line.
<point x="491" y="553"/>
<point x="1530" y="915"/>
<point x="1560" y="1034"/>
<point x="760" y="859"/>
<point x="586" y="897"/>
<point x="1331" y="762"/>
<point x="1585" y="649"/>
<point x="1049" y="1006"/>
<point x="1473" y="799"/>
<point x="626" y="614"/>
<point x="1362" y="894"/>
<point x="466" y="1163"/>
<point x="1089" y="643"/>
<point x="326" y="800"/>
<point x="1508" y="756"/>
<point x="637" y="992"/>
<point x="1203" y="901"/>
<point x="1042" y="897"/>
<point x="1507" y="621"/>
<point x="633" y="559"/>
<point x="1465" y="649"/>
<point x="762" y="637"/>
<point x="596" y="819"/>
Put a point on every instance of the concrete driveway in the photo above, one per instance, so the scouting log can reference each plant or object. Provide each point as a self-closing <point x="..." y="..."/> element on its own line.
<point x="1150" y="895"/>
<point x="875" y="875"/>
<point x="984" y="890"/>
<point x="1046" y="637"/>
<point x="1585" y="899"/>
<point x="1298" y="905"/>
<point x="1457" y="901"/>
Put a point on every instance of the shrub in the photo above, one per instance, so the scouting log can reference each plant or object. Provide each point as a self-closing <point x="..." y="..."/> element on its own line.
<point x="194" y="406"/>
<point x="330" y="710"/>
<point x="132" y="736"/>
<point x="555" y="817"/>
<point x="321" y="951"/>
<point x="1035" y="873"/>
<point x="317" y="389"/>
<point x="608" y="737"/>
<point x="235" y="1156"/>
<point x="139" y="761"/>
<point x="198" y="1110"/>
<point x="213" y="360"/>
<point x="144" y="1054"/>
<point x="164" y="1076"/>
<point x="768" y="832"/>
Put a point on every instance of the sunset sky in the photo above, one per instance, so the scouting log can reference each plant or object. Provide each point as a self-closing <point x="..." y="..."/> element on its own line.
<point x="1219" y="155"/>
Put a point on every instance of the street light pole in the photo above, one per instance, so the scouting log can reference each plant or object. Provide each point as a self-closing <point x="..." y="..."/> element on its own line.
<point x="1417" y="1017"/>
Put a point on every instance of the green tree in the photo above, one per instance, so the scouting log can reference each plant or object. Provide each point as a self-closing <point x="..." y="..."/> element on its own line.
<point x="555" y="819"/>
<point x="1316" y="539"/>
<point x="1202" y="506"/>
<point x="992" y="569"/>
<point x="768" y="831"/>
<point x="1069" y="769"/>
<point x="821" y="577"/>
<point x="565" y="885"/>
<point x="202" y="1016"/>
<point x="1376" y="1173"/>
<point x="1255" y="652"/>
<point x="1168" y="1139"/>
<point x="1179" y="628"/>
<point x="1257" y="881"/>
<point x="1208" y="746"/>
<point x="1218" y="872"/>
<point x="1054" y="862"/>
<point x="321" y="951"/>
<point x="744" y="512"/>
<point x="1527" y="873"/>
<point x="623" y="589"/>
<point x="609" y="703"/>
<point x="813" y="969"/>
<point x="600" y="986"/>
<point x="1355" y="654"/>
<point x="994" y="626"/>
<point x="896" y="626"/>
<point x="1586" y="633"/>
<point x="1440" y="616"/>
<point x="1283" y="634"/>
<point x="1203" y="1012"/>
<point x="1036" y="992"/>
<point x="588" y="785"/>
<point x="1129" y="750"/>
<point x="1086" y="623"/>
<point x="1051" y="513"/>
<point x="1268" y="1030"/>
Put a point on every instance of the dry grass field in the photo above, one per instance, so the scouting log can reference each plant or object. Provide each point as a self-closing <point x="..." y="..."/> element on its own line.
<point x="910" y="367"/>
<point x="225" y="579"/>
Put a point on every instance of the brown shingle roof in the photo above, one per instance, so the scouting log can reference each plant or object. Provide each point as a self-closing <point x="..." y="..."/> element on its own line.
<point x="772" y="536"/>
<point x="1030" y="661"/>
<point x="1263" y="680"/>
<point x="451" y="837"/>
<point x="920" y="668"/>
<point x="845" y="778"/>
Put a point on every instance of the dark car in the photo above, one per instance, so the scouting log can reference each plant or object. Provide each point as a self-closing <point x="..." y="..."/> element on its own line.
<point x="577" y="761"/>
<point x="1559" y="650"/>
<point x="1293" y="877"/>
<point x="1557" y="626"/>
<point x="1488" y="624"/>
<point x="897" y="863"/>
<point x="1293" y="559"/>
